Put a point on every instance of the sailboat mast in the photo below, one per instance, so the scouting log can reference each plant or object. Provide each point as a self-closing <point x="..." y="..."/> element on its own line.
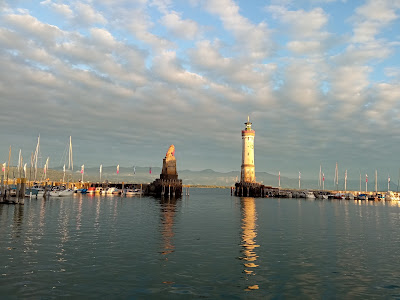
<point x="70" y="159"/>
<point x="36" y="155"/>
<point x="336" y="180"/>
<point x="19" y="163"/>
<point x="376" y="181"/>
<point x="8" y="166"/>
<point x="30" y="170"/>
<point x="319" y="177"/>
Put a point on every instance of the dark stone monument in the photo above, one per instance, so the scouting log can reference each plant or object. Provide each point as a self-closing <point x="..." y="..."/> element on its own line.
<point x="168" y="185"/>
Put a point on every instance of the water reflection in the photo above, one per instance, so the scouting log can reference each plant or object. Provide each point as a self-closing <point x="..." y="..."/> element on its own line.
<point x="63" y="231"/>
<point x="18" y="218"/>
<point x="249" y="244"/>
<point x="168" y="210"/>
<point x="96" y="220"/>
<point x="79" y="214"/>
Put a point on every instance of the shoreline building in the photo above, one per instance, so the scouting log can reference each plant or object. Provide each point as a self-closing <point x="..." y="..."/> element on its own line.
<point x="248" y="187"/>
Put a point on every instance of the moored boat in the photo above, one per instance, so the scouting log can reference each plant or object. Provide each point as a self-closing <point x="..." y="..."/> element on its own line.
<point x="349" y="196"/>
<point x="81" y="191"/>
<point x="391" y="196"/>
<point x="310" y="195"/>
<point x="113" y="191"/>
<point x="362" y="197"/>
<point x="66" y="193"/>
<point x="133" y="192"/>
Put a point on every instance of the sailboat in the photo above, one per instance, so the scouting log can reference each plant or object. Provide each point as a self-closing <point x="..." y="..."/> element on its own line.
<point x="35" y="159"/>
<point x="67" y="191"/>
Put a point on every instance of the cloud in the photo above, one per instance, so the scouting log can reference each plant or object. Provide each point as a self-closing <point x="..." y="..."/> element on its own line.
<point x="206" y="57"/>
<point x="184" y="29"/>
<point x="167" y="67"/>
<point x="372" y="17"/>
<point x="139" y="24"/>
<point x="30" y="26"/>
<point x="304" y="89"/>
<point x="385" y="112"/>
<point x="102" y="37"/>
<point x="349" y="85"/>
<point x="393" y="72"/>
<point x="62" y="9"/>
<point x="86" y="15"/>
<point x="305" y="47"/>
<point x="302" y="24"/>
<point x="254" y="39"/>
<point x="162" y="5"/>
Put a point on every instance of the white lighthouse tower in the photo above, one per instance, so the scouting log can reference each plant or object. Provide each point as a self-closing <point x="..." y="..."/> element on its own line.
<point x="248" y="173"/>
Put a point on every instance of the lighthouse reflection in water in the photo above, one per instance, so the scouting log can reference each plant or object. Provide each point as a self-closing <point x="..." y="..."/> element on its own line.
<point x="249" y="244"/>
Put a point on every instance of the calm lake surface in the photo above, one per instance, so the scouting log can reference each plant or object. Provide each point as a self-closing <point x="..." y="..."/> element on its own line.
<point x="209" y="245"/>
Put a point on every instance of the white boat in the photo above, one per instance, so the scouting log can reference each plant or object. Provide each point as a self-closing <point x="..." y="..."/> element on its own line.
<point x="340" y="196"/>
<point x="104" y="191"/>
<point x="133" y="192"/>
<point x="322" y="196"/>
<point x="66" y="193"/>
<point x="54" y="193"/>
<point x="310" y="195"/>
<point x="40" y="192"/>
<point x="113" y="191"/>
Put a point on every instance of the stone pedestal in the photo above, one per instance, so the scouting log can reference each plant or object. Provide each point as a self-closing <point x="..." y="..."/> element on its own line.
<point x="244" y="189"/>
<point x="168" y="185"/>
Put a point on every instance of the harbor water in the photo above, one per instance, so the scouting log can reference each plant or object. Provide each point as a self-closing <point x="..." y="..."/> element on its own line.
<point x="208" y="245"/>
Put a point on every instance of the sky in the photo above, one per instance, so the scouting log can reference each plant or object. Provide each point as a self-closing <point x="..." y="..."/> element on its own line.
<point x="319" y="79"/>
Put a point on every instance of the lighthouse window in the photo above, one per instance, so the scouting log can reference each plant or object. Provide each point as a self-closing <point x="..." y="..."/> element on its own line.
<point x="248" y="153"/>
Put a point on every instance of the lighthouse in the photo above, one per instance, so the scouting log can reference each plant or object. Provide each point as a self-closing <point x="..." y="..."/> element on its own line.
<point x="248" y="174"/>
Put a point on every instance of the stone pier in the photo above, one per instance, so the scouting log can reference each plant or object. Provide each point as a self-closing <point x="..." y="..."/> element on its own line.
<point x="246" y="189"/>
